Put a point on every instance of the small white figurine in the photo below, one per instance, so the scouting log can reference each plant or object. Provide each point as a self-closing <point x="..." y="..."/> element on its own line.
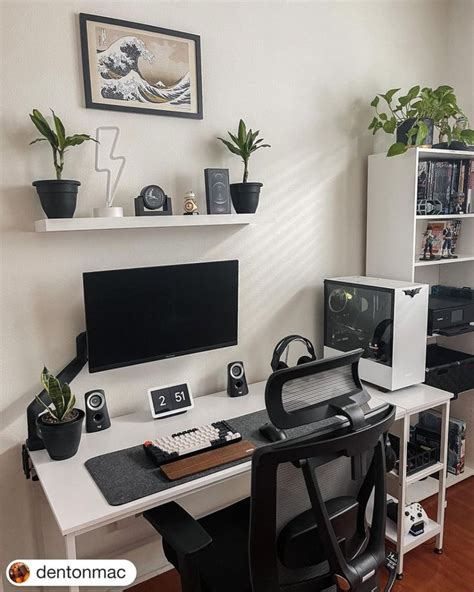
<point x="190" y="205"/>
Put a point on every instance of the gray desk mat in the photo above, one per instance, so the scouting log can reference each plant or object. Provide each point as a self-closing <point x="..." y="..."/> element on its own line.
<point x="127" y="475"/>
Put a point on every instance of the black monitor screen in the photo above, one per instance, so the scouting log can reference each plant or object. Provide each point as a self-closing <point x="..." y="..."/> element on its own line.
<point x="150" y="313"/>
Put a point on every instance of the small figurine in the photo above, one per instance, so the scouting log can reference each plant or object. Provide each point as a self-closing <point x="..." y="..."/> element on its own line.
<point x="456" y="204"/>
<point x="190" y="205"/>
<point x="429" y="242"/>
<point x="447" y="250"/>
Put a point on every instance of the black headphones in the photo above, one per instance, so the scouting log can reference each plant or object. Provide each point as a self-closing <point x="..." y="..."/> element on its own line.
<point x="378" y="344"/>
<point x="281" y="346"/>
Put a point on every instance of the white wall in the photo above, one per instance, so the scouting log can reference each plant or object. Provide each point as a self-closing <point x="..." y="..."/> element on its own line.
<point x="304" y="73"/>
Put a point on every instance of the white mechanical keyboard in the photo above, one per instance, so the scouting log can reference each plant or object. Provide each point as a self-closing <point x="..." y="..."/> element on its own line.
<point x="207" y="437"/>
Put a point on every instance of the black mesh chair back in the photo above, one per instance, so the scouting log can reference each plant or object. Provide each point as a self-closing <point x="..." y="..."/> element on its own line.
<point x="304" y="534"/>
<point x="317" y="390"/>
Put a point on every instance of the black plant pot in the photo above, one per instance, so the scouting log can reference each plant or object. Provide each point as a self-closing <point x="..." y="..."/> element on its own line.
<point x="61" y="439"/>
<point x="245" y="197"/>
<point x="58" y="197"/>
<point x="405" y="127"/>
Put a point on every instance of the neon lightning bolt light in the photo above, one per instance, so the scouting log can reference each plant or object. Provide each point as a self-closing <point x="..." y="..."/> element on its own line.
<point x="107" y="162"/>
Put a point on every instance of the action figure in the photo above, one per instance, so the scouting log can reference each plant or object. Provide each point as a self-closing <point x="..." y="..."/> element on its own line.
<point x="457" y="203"/>
<point x="447" y="249"/>
<point x="429" y="242"/>
<point x="190" y="205"/>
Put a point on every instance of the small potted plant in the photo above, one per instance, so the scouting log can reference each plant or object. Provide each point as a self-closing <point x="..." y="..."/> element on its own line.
<point x="412" y="125"/>
<point x="245" y="195"/>
<point x="58" y="196"/>
<point x="442" y="107"/>
<point x="60" y="426"/>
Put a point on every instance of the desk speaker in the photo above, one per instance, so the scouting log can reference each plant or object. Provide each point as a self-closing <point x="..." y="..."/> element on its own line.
<point x="217" y="191"/>
<point x="236" y="381"/>
<point x="97" y="415"/>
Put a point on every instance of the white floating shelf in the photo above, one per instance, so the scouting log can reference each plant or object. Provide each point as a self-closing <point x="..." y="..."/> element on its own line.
<point x="459" y="259"/>
<point x="74" y="224"/>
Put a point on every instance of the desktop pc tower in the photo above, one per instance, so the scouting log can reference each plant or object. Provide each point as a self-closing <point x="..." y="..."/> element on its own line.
<point x="387" y="319"/>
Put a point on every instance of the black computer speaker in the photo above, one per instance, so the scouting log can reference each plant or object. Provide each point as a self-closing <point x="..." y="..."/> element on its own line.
<point x="97" y="415"/>
<point x="236" y="381"/>
<point x="217" y="191"/>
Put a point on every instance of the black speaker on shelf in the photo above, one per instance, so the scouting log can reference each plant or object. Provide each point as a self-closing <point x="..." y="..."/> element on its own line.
<point x="217" y="191"/>
<point x="236" y="381"/>
<point x="97" y="415"/>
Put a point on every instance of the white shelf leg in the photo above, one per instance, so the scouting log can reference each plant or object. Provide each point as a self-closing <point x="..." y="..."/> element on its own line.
<point x="402" y="490"/>
<point x="70" y="542"/>
<point x="443" y="458"/>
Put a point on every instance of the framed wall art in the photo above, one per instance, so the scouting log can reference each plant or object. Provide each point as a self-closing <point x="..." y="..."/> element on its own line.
<point x="140" y="68"/>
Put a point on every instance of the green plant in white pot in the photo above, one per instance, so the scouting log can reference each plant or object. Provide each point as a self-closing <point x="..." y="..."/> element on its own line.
<point x="60" y="426"/>
<point x="245" y="195"/>
<point x="58" y="196"/>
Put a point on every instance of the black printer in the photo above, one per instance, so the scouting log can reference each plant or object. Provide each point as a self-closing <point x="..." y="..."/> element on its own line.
<point x="450" y="311"/>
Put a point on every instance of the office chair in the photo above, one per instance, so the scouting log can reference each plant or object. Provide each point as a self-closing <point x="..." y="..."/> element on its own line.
<point x="304" y="528"/>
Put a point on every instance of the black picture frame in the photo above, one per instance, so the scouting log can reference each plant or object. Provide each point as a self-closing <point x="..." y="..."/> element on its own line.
<point x="93" y="104"/>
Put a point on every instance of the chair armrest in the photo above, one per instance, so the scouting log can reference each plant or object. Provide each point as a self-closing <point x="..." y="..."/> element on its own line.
<point x="180" y="530"/>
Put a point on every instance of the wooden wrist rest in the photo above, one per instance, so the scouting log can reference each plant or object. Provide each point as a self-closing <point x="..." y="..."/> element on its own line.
<point x="207" y="460"/>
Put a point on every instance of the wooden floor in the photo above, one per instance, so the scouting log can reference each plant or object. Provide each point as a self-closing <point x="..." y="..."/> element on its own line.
<point x="424" y="571"/>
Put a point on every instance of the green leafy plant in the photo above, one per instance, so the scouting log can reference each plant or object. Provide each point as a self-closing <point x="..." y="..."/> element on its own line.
<point x="243" y="144"/>
<point x="419" y="104"/>
<point x="441" y="106"/>
<point x="398" y="111"/>
<point x="62" y="399"/>
<point x="57" y="138"/>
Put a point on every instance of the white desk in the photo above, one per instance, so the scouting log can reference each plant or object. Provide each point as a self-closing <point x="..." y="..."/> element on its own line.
<point x="67" y="484"/>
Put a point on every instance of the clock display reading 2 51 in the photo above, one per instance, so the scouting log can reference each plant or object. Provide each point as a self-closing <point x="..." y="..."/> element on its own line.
<point x="170" y="399"/>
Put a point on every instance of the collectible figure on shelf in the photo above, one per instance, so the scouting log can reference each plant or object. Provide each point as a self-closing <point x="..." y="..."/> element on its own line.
<point x="448" y="246"/>
<point x="456" y="203"/>
<point x="190" y="205"/>
<point x="429" y="240"/>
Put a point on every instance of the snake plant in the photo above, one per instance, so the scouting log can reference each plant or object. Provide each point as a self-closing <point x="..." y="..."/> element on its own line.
<point x="62" y="399"/>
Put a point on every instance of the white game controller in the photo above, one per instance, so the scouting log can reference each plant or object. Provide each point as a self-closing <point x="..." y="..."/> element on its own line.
<point x="415" y="519"/>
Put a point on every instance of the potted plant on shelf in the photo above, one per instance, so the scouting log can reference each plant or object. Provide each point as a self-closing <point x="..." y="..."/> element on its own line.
<point x="441" y="106"/>
<point x="412" y="126"/>
<point x="245" y="195"/>
<point x="415" y="115"/>
<point x="60" y="426"/>
<point x="58" y="196"/>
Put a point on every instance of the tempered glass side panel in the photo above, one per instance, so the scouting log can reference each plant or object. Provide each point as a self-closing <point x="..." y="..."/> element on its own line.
<point x="359" y="317"/>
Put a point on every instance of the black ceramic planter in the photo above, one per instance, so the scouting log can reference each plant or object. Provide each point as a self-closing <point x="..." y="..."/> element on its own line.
<point x="58" y="197"/>
<point x="245" y="197"/>
<point x="406" y="126"/>
<point x="61" y="439"/>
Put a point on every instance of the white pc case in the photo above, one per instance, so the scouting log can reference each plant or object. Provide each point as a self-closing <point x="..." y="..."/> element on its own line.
<point x="387" y="319"/>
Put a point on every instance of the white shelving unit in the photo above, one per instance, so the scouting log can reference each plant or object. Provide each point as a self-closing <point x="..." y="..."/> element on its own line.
<point x="76" y="224"/>
<point x="394" y="231"/>
<point x="394" y="239"/>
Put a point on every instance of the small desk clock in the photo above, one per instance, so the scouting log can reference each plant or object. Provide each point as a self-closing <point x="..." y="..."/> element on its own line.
<point x="170" y="399"/>
<point x="153" y="201"/>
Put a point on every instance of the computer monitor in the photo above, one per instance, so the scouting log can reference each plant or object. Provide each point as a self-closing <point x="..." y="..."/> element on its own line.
<point x="150" y="313"/>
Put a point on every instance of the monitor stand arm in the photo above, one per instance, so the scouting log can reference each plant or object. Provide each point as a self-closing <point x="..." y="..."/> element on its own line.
<point x="34" y="442"/>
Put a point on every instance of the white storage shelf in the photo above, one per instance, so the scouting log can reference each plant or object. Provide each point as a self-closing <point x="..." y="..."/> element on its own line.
<point x="409" y="541"/>
<point x="394" y="231"/>
<point x="421" y="490"/>
<point x="75" y="224"/>
<point x="458" y="259"/>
